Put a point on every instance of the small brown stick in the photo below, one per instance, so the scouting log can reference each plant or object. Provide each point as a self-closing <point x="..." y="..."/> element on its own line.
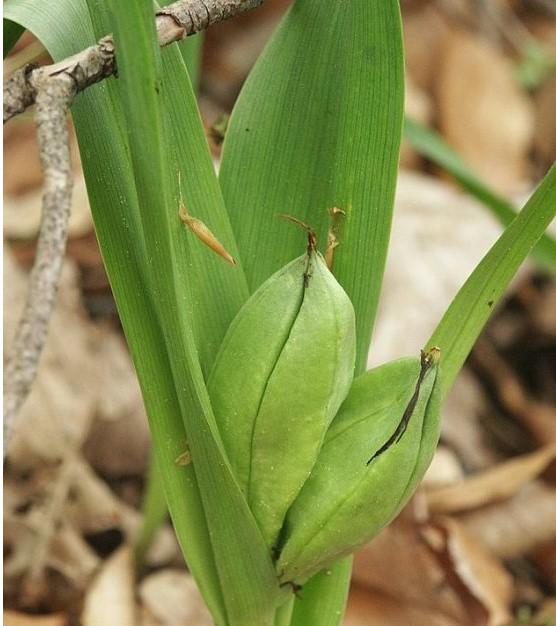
<point x="311" y="235"/>
<point x="53" y="99"/>
<point x="173" y="23"/>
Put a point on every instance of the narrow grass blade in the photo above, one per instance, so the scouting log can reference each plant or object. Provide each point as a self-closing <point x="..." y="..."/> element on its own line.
<point x="432" y="145"/>
<point x="317" y="125"/>
<point x="475" y="301"/>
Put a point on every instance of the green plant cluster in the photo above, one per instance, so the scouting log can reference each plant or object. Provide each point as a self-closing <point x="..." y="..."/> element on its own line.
<point x="277" y="454"/>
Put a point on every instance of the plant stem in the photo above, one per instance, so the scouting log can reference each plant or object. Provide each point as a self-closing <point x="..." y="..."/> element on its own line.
<point x="155" y="512"/>
<point x="284" y="613"/>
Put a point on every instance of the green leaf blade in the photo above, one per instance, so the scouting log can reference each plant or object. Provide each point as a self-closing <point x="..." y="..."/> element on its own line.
<point x="475" y="301"/>
<point x="318" y="125"/>
<point x="247" y="578"/>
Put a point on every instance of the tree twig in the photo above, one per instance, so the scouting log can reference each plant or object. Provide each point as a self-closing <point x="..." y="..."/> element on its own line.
<point x="53" y="99"/>
<point x="173" y="23"/>
<point x="52" y="88"/>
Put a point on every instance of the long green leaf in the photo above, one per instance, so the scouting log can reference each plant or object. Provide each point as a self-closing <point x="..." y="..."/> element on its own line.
<point x="475" y="301"/>
<point x="318" y="125"/>
<point x="65" y="28"/>
<point x="247" y="578"/>
<point x="430" y="144"/>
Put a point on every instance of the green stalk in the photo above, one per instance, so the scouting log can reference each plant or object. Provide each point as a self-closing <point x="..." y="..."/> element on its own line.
<point x="155" y="512"/>
<point x="284" y="613"/>
<point x="322" y="601"/>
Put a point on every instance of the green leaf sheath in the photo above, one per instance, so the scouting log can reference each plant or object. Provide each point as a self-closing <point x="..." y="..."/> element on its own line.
<point x="317" y="125"/>
<point x="475" y="301"/>
<point x="361" y="499"/>
<point x="432" y="145"/>
<point x="284" y="368"/>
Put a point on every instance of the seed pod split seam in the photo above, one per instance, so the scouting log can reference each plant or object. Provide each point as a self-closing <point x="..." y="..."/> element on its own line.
<point x="269" y="378"/>
<point x="277" y="383"/>
<point x="364" y="500"/>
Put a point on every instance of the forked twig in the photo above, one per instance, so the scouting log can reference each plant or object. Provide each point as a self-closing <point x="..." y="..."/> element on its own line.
<point x="53" y="99"/>
<point x="52" y="88"/>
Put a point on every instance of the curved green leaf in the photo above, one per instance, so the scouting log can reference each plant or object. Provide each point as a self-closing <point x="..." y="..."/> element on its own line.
<point x="318" y="125"/>
<point x="475" y="301"/>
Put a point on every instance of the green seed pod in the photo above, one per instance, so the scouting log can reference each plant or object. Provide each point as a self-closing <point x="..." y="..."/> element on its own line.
<point x="283" y="370"/>
<point x="374" y="456"/>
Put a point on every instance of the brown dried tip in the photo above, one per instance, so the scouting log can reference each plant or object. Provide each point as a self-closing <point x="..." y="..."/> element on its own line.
<point x="202" y="232"/>
<point x="331" y="244"/>
<point x="430" y="357"/>
<point x="311" y="235"/>
<point x="335" y="211"/>
<point x="332" y="241"/>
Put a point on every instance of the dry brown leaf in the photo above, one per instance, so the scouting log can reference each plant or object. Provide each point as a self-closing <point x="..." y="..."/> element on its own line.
<point x="171" y="598"/>
<point x="418" y="107"/>
<point x="110" y="598"/>
<point x="62" y="401"/>
<point x="14" y="618"/>
<point x="121" y="417"/>
<point x="462" y="427"/>
<point x="537" y="416"/>
<point x="479" y="573"/>
<point x="399" y="564"/>
<point x="85" y="372"/>
<point x="22" y="214"/>
<point x="22" y="168"/>
<point x="373" y="608"/>
<point x="547" y="612"/>
<point x="438" y="237"/>
<point x="444" y="470"/>
<point x="423" y="54"/>
<point x="545" y="129"/>
<point x="512" y="528"/>
<point x="497" y="483"/>
<point x="483" y="113"/>
<point x="545" y="559"/>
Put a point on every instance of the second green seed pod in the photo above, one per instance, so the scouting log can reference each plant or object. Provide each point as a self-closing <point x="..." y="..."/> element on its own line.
<point x="368" y="466"/>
